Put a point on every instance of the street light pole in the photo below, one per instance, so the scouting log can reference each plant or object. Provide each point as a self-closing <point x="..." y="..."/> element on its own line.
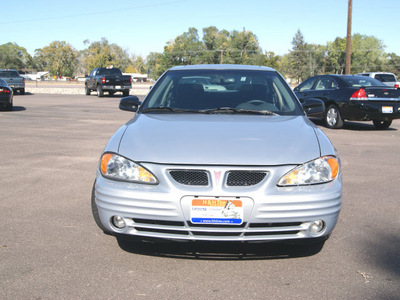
<point x="348" y="40"/>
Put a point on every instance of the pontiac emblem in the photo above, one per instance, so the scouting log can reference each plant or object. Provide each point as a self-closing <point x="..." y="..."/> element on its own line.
<point x="217" y="175"/>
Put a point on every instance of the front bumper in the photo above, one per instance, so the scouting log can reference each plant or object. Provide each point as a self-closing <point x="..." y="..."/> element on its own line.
<point x="373" y="110"/>
<point x="270" y="213"/>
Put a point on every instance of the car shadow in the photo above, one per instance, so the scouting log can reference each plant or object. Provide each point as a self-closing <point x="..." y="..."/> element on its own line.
<point x="354" y="126"/>
<point x="218" y="250"/>
<point x="17" y="108"/>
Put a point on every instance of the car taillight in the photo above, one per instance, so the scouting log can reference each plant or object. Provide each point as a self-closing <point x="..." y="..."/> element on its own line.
<point x="131" y="79"/>
<point x="396" y="85"/>
<point x="23" y="79"/>
<point x="4" y="91"/>
<point x="359" y="95"/>
<point x="103" y="80"/>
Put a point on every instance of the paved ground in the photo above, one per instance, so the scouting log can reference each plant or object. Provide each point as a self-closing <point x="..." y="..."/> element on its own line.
<point x="50" y="247"/>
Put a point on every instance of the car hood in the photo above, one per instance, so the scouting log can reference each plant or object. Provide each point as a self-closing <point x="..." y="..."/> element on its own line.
<point x="219" y="139"/>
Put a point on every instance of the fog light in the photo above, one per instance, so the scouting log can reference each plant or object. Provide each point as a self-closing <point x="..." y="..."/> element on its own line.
<point x="317" y="226"/>
<point x="118" y="222"/>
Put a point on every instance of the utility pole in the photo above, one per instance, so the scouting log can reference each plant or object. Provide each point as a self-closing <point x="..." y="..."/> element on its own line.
<point x="348" y="39"/>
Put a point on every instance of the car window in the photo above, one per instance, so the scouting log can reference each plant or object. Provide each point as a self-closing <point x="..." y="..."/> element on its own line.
<point x="307" y="85"/>
<point x="360" y="81"/>
<point x="9" y="74"/>
<point x="325" y="83"/>
<point x="201" y="90"/>
<point x="385" y="77"/>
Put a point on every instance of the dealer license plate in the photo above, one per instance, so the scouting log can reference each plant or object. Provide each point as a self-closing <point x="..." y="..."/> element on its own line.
<point x="387" y="109"/>
<point x="217" y="211"/>
<point x="118" y="87"/>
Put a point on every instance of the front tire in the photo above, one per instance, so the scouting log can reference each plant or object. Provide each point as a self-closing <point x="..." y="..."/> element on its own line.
<point x="22" y="91"/>
<point x="382" y="124"/>
<point x="100" y="92"/>
<point x="332" y="117"/>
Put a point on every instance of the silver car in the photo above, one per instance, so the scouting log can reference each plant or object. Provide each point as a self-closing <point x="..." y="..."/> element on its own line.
<point x="219" y="153"/>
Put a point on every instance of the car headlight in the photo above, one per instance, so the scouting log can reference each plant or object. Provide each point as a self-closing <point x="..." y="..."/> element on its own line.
<point x="320" y="170"/>
<point x="117" y="167"/>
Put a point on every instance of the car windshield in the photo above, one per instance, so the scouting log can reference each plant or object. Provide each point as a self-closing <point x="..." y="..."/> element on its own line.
<point x="222" y="91"/>
<point x="362" y="81"/>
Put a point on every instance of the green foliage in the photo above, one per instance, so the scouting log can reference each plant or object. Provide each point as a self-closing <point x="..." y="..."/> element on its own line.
<point x="59" y="58"/>
<point x="212" y="46"/>
<point x="13" y="56"/>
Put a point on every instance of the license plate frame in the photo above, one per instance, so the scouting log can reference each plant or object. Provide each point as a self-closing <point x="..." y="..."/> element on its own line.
<point x="216" y="211"/>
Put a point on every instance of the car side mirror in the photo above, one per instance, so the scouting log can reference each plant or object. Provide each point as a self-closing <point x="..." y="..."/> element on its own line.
<point x="296" y="89"/>
<point x="313" y="107"/>
<point x="130" y="103"/>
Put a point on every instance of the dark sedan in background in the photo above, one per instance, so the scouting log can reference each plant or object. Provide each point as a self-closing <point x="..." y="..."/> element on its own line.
<point x="349" y="97"/>
<point x="6" y="96"/>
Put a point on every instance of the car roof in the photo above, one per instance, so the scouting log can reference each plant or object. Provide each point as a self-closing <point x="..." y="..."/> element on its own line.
<point x="222" y="67"/>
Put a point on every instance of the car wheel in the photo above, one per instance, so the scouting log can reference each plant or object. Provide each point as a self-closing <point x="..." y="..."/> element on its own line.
<point x="9" y="107"/>
<point x="382" y="124"/>
<point x="87" y="91"/>
<point x="125" y="93"/>
<point x="95" y="212"/>
<point x="100" y="92"/>
<point x="22" y="91"/>
<point x="333" y="119"/>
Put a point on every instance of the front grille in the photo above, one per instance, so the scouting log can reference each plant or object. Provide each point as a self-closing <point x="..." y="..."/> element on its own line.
<point x="244" y="178"/>
<point x="190" y="177"/>
<point x="187" y="230"/>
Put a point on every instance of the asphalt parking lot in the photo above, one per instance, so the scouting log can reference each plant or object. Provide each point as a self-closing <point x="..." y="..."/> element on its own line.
<point x="52" y="249"/>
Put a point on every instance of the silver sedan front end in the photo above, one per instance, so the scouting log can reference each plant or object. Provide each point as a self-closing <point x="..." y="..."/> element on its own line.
<point x="168" y="209"/>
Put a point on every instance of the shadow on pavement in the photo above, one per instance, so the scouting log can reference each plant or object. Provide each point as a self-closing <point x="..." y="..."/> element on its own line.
<point x="355" y="126"/>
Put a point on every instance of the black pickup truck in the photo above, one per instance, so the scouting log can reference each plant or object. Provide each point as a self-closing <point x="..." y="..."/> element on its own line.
<point x="108" y="80"/>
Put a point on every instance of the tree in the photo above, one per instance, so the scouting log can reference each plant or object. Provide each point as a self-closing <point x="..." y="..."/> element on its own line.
<point x="154" y="64"/>
<point x="101" y="54"/>
<point x="59" y="58"/>
<point x="13" y="56"/>
<point x="299" y="58"/>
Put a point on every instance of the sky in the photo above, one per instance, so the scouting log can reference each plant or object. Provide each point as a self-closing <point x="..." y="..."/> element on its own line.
<point x="145" y="26"/>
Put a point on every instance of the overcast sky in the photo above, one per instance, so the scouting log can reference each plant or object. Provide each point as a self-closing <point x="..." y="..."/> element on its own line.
<point x="146" y="26"/>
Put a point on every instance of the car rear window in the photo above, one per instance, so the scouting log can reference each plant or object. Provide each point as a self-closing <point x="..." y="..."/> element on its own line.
<point x="385" y="77"/>
<point x="359" y="81"/>
<point x="9" y="74"/>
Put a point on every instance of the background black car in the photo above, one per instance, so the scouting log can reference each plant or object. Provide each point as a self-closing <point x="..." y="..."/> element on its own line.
<point x="6" y="96"/>
<point x="349" y="97"/>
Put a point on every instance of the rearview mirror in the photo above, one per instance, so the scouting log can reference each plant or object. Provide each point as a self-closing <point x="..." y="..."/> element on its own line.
<point x="130" y="103"/>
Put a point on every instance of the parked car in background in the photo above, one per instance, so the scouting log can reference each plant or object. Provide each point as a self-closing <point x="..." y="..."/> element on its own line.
<point x="108" y="80"/>
<point x="219" y="153"/>
<point x="6" y="96"/>
<point x="349" y="97"/>
<point x="387" y="78"/>
<point x="13" y="79"/>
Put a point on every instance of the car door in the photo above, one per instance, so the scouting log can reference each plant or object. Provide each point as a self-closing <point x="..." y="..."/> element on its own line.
<point x="91" y="83"/>
<point x="306" y="88"/>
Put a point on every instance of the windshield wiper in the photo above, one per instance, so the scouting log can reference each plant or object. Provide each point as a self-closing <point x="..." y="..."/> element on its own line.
<point x="168" y="109"/>
<point x="232" y="110"/>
